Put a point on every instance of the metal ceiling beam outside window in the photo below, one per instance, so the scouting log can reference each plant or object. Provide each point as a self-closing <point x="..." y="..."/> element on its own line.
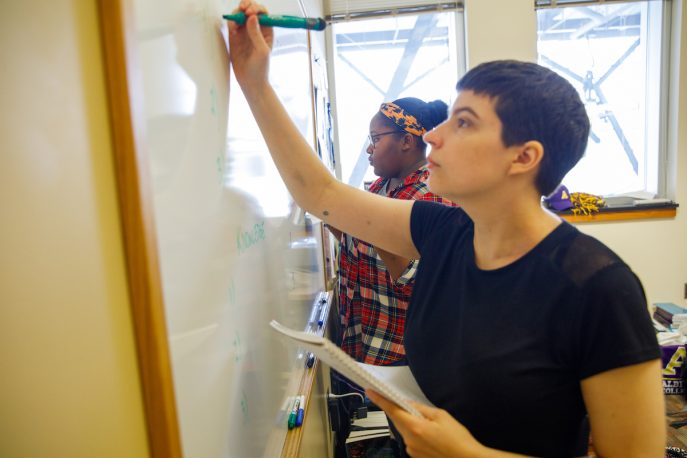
<point x="423" y="26"/>
<point x="420" y="35"/>
<point x="599" y="25"/>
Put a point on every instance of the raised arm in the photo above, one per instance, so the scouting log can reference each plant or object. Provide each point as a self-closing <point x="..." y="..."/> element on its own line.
<point x="381" y="221"/>
<point x="395" y="264"/>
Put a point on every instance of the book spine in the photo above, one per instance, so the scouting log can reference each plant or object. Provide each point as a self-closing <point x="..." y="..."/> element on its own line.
<point x="662" y="320"/>
<point x="670" y="308"/>
<point x="666" y="315"/>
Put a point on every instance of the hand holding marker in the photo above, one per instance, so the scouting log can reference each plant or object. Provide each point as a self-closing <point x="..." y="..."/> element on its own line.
<point x="290" y="22"/>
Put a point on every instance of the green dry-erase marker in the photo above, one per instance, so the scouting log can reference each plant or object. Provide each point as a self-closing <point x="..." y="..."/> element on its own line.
<point x="290" y="22"/>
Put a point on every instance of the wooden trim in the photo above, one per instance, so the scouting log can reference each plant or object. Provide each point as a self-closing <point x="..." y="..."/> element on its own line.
<point x="135" y="206"/>
<point x="292" y="442"/>
<point x="653" y="213"/>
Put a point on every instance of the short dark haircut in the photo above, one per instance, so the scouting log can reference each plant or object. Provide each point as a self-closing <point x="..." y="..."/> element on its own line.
<point x="535" y="103"/>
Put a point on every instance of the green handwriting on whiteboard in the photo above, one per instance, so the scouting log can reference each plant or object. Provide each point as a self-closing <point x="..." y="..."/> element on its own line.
<point x="244" y="408"/>
<point x="213" y="100"/>
<point x="220" y="166"/>
<point x="237" y="347"/>
<point x="249" y="238"/>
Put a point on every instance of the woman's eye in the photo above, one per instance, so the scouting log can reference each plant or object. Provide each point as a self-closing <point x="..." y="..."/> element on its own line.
<point x="462" y="122"/>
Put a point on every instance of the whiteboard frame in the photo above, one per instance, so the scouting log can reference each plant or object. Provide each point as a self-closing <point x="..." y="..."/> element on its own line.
<point x="134" y="187"/>
<point x="135" y="205"/>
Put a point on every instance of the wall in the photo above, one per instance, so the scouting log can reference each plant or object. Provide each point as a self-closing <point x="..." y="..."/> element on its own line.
<point x="70" y="384"/>
<point x="655" y="249"/>
<point x="500" y="29"/>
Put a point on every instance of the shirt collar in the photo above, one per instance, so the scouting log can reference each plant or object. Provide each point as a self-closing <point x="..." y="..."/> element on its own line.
<point x="415" y="177"/>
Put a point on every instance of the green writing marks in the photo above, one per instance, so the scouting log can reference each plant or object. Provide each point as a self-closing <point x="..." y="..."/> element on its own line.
<point x="236" y="343"/>
<point x="220" y="167"/>
<point x="213" y="100"/>
<point x="244" y="407"/>
<point x="249" y="238"/>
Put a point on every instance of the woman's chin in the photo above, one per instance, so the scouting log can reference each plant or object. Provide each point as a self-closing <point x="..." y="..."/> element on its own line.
<point x="433" y="185"/>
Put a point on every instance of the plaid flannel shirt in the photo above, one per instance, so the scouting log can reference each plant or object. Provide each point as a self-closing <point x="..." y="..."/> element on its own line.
<point x="372" y="306"/>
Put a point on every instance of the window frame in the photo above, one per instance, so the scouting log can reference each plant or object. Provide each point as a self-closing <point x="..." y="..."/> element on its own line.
<point x="390" y="8"/>
<point x="661" y="175"/>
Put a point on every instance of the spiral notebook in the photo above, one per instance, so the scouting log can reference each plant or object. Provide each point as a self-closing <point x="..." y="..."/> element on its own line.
<point x="395" y="383"/>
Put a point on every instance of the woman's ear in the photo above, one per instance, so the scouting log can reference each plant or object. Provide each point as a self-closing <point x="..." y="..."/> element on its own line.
<point x="528" y="157"/>
<point x="408" y="141"/>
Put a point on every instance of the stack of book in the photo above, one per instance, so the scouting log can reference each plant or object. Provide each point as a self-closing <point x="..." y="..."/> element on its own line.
<point x="374" y="425"/>
<point x="670" y="315"/>
<point x="370" y="436"/>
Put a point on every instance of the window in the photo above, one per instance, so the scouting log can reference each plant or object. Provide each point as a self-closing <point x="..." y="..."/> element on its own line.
<point x="613" y="53"/>
<point x="382" y="59"/>
<point x="246" y="165"/>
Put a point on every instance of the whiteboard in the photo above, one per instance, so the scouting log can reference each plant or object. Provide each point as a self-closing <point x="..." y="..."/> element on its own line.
<point x="235" y="252"/>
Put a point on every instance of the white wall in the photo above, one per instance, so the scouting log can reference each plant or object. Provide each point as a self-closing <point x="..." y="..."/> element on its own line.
<point x="70" y="384"/>
<point x="655" y="249"/>
<point x="500" y="29"/>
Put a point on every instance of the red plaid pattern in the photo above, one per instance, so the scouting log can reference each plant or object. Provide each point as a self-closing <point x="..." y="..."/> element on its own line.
<point x="372" y="307"/>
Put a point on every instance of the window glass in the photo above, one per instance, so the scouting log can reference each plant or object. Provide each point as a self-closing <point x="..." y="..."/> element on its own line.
<point x="612" y="54"/>
<point x="247" y="166"/>
<point x="380" y="60"/>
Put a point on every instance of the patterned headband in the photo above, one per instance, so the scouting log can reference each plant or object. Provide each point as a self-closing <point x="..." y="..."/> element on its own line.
<point x="405" y="121"/>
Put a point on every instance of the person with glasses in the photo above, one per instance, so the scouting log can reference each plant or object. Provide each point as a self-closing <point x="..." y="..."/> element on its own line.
<point x="524" y="332"/>
<point x="374" y="285"/>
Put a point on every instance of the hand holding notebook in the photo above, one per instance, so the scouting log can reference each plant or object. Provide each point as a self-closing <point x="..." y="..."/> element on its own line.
<point x="395" y="383"/>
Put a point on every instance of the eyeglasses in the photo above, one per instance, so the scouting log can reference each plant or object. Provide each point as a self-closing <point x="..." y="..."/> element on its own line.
<point x="374" y="139"/>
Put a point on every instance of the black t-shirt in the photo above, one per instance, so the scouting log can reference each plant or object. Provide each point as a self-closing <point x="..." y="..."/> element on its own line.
<point x="504" y="350"/>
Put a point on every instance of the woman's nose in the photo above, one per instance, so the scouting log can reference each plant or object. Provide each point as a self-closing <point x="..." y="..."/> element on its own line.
<point x="431" y="137"/>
